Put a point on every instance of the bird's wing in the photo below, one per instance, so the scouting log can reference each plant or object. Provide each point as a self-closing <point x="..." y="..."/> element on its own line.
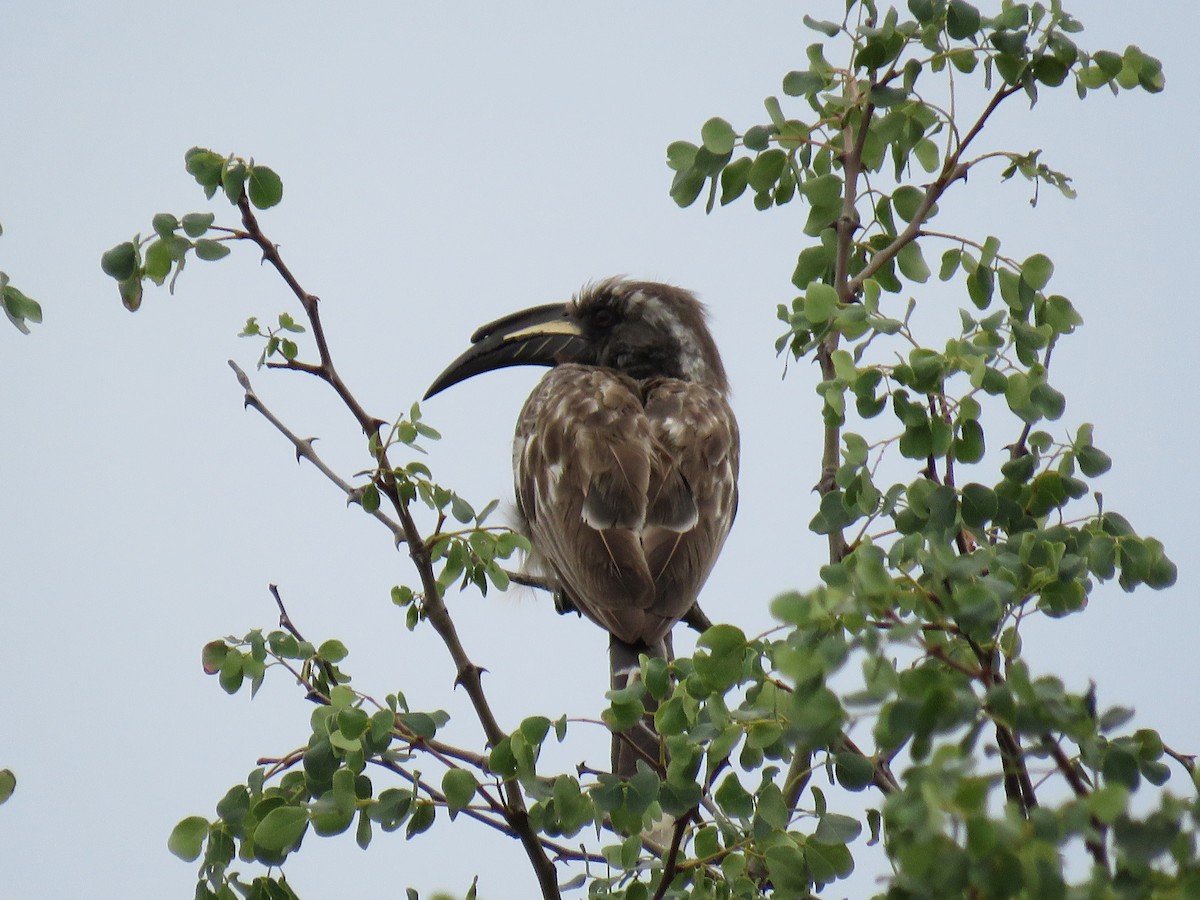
<point x="695" y="428"/>
<point x="583" y="459"/>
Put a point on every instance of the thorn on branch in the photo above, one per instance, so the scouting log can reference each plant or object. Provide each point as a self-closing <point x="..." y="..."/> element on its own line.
<point x="285" y="622"/>
<point x="469" y="673"/>
<point x="1187" y="760"/>
<point x="305" y="451"/>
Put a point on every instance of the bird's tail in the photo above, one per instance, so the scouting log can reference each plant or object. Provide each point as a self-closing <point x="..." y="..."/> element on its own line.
<point x="641" y="741"/>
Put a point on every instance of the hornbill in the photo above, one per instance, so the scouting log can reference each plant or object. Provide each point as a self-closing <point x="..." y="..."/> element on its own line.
<point x="625" y="461"/>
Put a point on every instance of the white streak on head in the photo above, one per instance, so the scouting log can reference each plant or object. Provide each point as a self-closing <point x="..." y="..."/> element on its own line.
<point x="659" y="315"/>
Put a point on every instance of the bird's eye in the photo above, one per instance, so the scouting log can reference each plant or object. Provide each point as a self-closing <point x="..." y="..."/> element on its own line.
<point x="603" y="318"/>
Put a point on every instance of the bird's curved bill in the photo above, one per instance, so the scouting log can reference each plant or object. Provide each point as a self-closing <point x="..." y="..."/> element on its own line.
<point x="542" y="336"/>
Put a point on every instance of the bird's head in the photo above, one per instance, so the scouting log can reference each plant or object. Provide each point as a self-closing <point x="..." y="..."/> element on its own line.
<point x="640" y="328"/>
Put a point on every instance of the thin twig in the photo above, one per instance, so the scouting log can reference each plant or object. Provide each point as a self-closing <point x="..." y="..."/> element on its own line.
<point x="304" y="450"/>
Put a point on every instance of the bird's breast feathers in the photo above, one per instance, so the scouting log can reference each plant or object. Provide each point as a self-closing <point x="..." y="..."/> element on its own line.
<point x="628" y="489"/>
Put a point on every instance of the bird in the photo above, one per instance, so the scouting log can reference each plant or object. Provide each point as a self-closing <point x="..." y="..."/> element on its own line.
<point x="625" y="463"/>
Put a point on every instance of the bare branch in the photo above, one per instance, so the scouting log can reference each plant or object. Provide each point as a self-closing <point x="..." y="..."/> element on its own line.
<point x="304" y="450"/>
<point x="1187" y="760"/>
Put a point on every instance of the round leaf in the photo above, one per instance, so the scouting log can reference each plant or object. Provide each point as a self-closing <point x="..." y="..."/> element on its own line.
<point x="1037" y="271"/>
<point x="718" y="136"/>
<point x="912" y="263"/>
<point x="120" y="262"/>
<point x="282" y="828"/>
<point x="266" y="188"/>
<point x="187" y="838"/>
<point x="195" y="224"/>
<point x="211" y="250"/>
<point x="459" y="787"/>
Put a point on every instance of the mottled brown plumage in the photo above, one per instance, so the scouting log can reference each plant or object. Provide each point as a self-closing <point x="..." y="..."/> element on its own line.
<point x="625" y="460"/>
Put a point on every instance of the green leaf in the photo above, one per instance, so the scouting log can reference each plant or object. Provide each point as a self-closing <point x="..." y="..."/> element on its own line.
<point x="928" y="155"/>
<point x="420" y="724"/>
<point x="205" y="166"/>
<point x="853" y="771"/>
<point x="187" y="838"/>
<point x="233" y="181"/>
<point x="979" y="505"/>
<point x="788" y="871"/>
<point x="829" y="29"/>
<point x="212" y="655"/>
<point x="722" y="668"/>
<point x="211" y="250"/>
<point x="19" y="307"/>
<point x="681" y="155"/>
<point x="885" y="97"/>
<point x="757" y="137"/>
<point x="733" y="798"/>
<point x="836" y="829"/>
<point x="820" y="302"/>
<point x="811" y="265"/>
<point x="917" y="441"/>
<point x="969" y="445"/>
<point x="534" y="729"/>
<point x="231" y="672"/>
<point x="907" y="201"/>
<point x="912" y="263"/>
<point x="1050" y="71"/>
<point x="766" y="169"/>
<point x="734" y="178"/>
<point x="1048" y="401"/>
<point x="962" y="20"/>
<point x="981" y="284"/>
<point x="131" y="292"/>
<point x="196" y="224"/>
<point x="282" y="828"/>
<point x="833" y="514"/>
<point x="1037" y="271"/>
<point x="459" y="786"/>
<point x="120" y="262"/>
<point x="158" y="261"/>
<point x="164" y="224"/>
<point x="687" y="186"/>
<point x="332" y="650"/>
<point x="8" y="784"/>
<point x="718" y="136"/>
<point x="802" y="84"/>
<point x="1108" y="802"/>
<point x="266" y="188"/>
<point x="423" y="816"/>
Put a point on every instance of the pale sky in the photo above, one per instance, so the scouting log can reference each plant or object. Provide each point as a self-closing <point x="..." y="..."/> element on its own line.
<point x="444" y="166"/>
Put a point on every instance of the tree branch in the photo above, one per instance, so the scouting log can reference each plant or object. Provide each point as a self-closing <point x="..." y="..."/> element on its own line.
<point x="1095" y="846"/>
<point x="952" y="170"/>
<point x="468" y="673"/>
<point x="304" y="450"/>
